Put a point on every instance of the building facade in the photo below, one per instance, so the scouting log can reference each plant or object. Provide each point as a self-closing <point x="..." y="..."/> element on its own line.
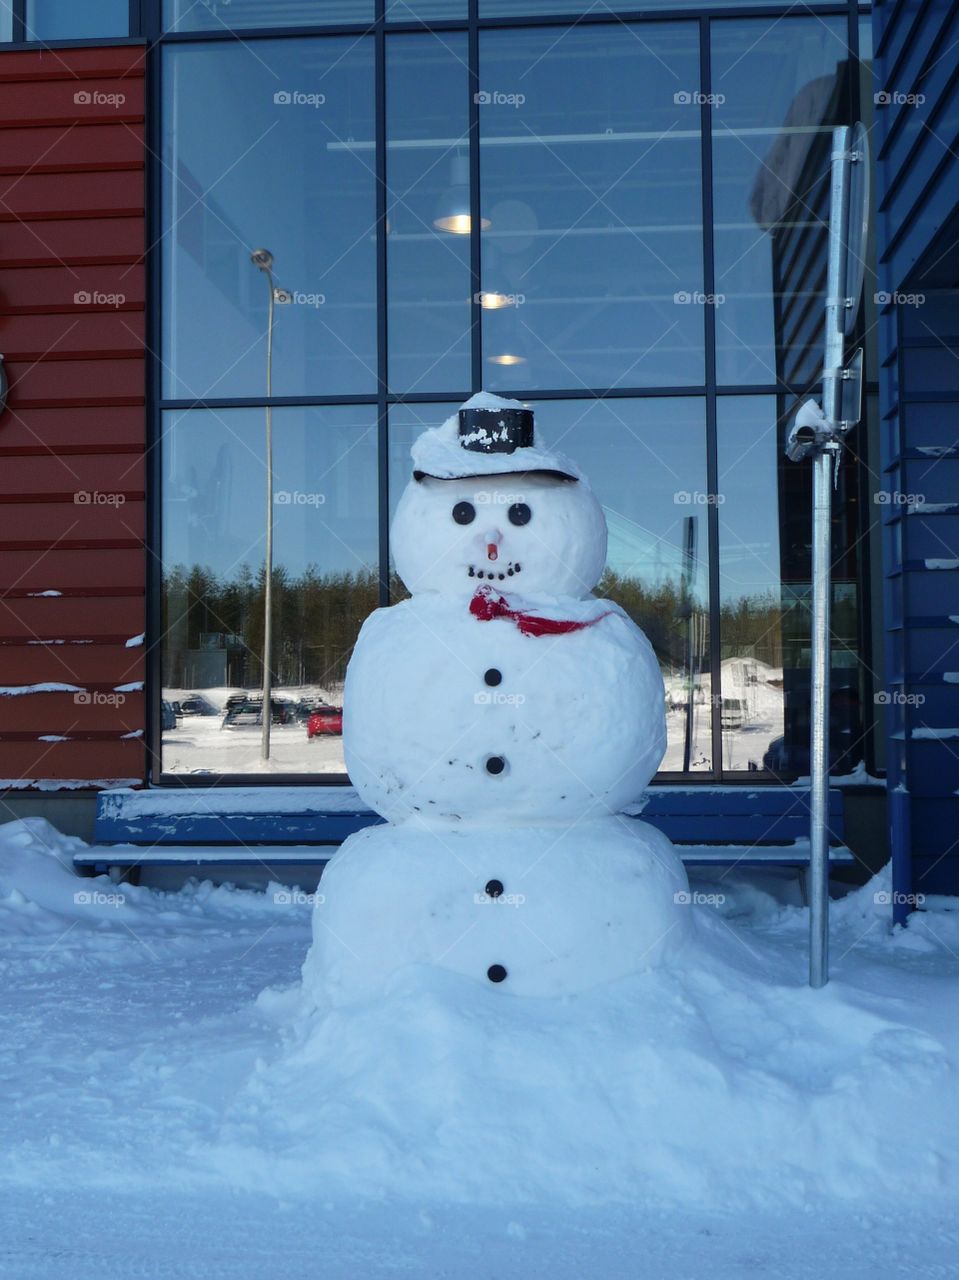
<point x="615" y="216"/>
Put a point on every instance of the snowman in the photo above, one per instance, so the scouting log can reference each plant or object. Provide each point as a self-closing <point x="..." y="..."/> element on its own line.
<point x="499" y="720"/>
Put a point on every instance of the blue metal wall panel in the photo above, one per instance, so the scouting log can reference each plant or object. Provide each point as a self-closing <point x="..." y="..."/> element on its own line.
<point x="918" y="188"/>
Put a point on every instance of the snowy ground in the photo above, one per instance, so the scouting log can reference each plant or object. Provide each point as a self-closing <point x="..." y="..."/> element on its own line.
<point x="163" y="1117"/>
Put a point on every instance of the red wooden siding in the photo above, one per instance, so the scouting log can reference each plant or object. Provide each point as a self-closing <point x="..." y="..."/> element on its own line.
<point x="72" y="300"/>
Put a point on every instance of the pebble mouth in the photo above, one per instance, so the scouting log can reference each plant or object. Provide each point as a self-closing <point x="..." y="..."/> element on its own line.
<point x="500" y="575"/>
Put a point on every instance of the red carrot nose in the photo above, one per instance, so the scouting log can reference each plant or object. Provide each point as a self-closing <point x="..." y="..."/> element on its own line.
<point x="491" y="551"/>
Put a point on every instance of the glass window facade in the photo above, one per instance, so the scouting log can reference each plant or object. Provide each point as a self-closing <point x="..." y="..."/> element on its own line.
<point x="621" y="223"/>
<point x="75" y="20"/>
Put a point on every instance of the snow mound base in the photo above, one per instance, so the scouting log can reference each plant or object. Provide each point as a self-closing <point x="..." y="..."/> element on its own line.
<point x="715" y="1084"/>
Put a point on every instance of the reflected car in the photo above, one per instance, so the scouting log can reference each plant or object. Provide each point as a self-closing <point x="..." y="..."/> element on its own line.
<point x="167" y="715"/>
<point x="197" y="705"/>
<point x="324" y="720"/>
<point x="249" y="711"/>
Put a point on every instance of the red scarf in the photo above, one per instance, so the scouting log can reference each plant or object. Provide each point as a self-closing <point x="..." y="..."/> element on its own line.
<point x="485" y="608"/>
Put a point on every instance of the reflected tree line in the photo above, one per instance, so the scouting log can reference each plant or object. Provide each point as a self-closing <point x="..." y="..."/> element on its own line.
<point x="214" y="623"/>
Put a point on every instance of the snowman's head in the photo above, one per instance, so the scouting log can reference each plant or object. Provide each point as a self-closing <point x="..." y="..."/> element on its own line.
<point x="535" y="534"/>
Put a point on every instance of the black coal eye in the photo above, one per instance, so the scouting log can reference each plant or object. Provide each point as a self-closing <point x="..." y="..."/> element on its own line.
<point x="464" y="513"/>
<point x="519" y="513"/>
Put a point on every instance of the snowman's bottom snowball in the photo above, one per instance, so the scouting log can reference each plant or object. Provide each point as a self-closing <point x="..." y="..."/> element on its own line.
<point x="537" y="911"/>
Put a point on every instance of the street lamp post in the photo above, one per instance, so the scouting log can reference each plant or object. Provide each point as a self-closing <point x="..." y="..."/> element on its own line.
<point x="819" y="433"/>
<point x="263" y="260"/>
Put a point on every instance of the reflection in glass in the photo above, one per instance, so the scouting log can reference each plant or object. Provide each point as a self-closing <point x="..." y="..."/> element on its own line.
<point x="262" y="150"/>
<point x="646" y="461"/>
<point x="71" y="20"/>
<point x="6" y="20"/>
<point x="238" y="15"/>
<point x="765" y="598"/>
<point x="324" y="581"/>
<point x="781" y="87"/>
<point x="590" y="158"/>
<point x="423" y="10"/>
<point x="429" y="270"/>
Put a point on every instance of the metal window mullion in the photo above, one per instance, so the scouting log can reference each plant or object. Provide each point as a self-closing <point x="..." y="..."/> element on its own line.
<point x="153" y="411"/>
<point x="476" y="311"/>
<point x="712" y="447"/>
<point x="18" y="27"/>
<point x="382" y="327"/>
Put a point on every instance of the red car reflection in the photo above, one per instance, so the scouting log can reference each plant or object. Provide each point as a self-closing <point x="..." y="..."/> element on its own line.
<point x="324" y="720"/>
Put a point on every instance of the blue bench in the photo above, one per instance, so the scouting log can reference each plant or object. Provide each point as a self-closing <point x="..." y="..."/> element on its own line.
<point x="302" y="826"/>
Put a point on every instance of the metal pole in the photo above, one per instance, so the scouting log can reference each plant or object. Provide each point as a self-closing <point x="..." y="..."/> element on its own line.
<point x="824" y="460"/>
<point x="819" y="721"/>
<point x="263" y="259"/>
<point x="268" y="583"/>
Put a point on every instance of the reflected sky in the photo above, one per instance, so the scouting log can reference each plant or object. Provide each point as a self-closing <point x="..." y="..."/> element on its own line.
<point x="259" y="152"/>
<point x="325" y="491"/>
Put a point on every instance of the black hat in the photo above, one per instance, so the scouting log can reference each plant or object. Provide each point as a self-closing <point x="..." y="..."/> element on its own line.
<point x="496" y="430"/>
<point x="487" y="439"/>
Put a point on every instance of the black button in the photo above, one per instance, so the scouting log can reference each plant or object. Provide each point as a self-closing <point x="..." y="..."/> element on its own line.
<point x="496" y="973"/>
<point x="495" y="764"/>
<point x="493" y="677"/>
<point x="494" y="888"/>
